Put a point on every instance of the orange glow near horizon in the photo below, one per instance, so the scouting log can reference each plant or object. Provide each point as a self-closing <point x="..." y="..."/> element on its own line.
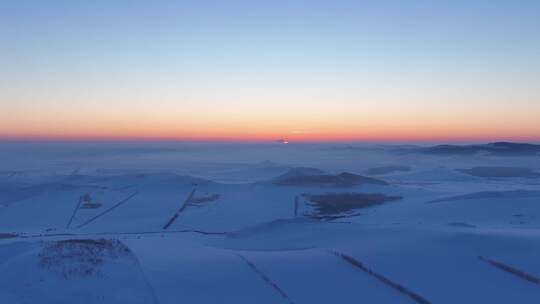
<point x="314" y="120"/>
<point x="289" y="137"/>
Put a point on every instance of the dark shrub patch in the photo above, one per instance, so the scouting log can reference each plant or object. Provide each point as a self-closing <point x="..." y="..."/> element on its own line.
<point x="80" y="258"/>
<point x="336" y="203"/>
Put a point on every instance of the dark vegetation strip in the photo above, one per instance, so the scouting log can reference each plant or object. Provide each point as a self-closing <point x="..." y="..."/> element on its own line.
<point x="330" y="218"/>
<point x="16" y="200"/>
<point x="512" y="270"/>
<point x="184" y="206"/>
<point x="74" y="212"/>
<point x="43" y="186"/>
<point x="296" y="205"/>
<point x="266" y="279"/>
<point x="169" y="231"/>
<point x="82" y="186"/>
<point x="354" y="262"/>
<point x="8" y="235"/>
<point x="123" y="187"/>
<point x="108" y="210"/>
<point x="22" y="236"/>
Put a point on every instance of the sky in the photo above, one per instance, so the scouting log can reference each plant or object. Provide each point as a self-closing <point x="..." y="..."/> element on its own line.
<point x="380" y="70"/>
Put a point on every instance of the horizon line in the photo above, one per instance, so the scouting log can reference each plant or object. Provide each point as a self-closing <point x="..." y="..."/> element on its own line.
<point x="124" y="139"/>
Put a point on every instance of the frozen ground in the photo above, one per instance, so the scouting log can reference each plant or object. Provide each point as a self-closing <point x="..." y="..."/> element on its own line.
<point x="268" y="223"/>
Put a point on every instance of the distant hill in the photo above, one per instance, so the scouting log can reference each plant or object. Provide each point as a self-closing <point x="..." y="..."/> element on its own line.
<point x="501" y="172"/>
<point x="388" y="169"/>
<point x="497" y="149"/>
<point x="315" y="177"/>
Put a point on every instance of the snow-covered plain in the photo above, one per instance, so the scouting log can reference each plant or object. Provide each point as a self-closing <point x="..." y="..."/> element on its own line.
<point x="266" y="223"/>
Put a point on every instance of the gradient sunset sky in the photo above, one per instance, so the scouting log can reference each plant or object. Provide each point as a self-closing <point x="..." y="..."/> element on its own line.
<point x="263" y="70"/>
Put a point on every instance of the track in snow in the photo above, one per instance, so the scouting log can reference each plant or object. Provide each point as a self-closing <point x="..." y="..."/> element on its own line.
<point x="184" y="206"/>
<point x="74" y="212"/>
<point x="520" y="274"/>
<point x="108" y="210"/>
<point x="266" y="279"/>
<point x="354" y="262"/>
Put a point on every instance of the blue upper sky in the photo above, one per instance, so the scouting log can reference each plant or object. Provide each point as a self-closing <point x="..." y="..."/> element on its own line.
<point x="255" y="69"/>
